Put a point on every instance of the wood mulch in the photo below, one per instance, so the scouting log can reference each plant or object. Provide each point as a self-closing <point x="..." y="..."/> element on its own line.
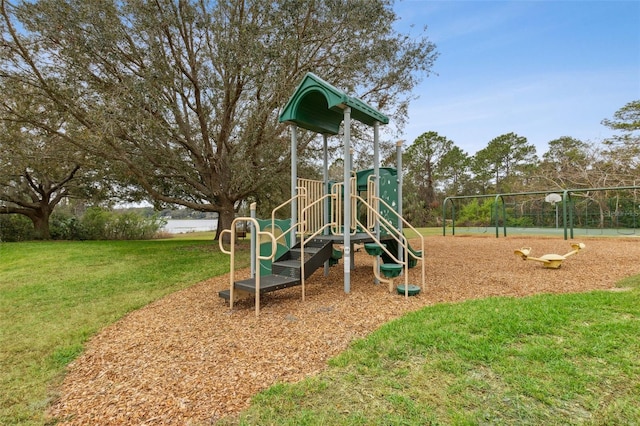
<point x="189" y="359"/>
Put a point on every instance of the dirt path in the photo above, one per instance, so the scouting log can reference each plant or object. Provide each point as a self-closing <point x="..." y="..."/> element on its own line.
<point x="188" y="359"/>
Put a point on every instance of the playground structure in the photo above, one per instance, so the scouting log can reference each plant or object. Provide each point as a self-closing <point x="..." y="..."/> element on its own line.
<point x="365" y="208"/>
<point x="552" y="261"/>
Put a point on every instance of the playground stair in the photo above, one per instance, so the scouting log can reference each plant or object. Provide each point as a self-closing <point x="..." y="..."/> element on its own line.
<point x="392" y="245"/>
<point x="286" y="271"/>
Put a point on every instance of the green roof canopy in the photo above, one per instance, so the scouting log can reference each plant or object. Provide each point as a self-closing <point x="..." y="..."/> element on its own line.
<point x="318" y="106"/>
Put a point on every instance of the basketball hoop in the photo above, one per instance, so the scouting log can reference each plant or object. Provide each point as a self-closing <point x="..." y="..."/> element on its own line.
<point x="553" y="198"/>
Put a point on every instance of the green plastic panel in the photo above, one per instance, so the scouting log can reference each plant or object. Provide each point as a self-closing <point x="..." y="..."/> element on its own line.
<point x="388" y="189"/>
<point x="281" y="225"/>
<point x="318" y="106"/>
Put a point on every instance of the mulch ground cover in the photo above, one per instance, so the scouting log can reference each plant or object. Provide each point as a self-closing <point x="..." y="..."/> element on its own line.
<point x="189" y="359"/>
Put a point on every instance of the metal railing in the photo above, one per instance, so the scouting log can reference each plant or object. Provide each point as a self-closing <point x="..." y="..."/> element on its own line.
<point x="317" y="231"/>
<point x="372" y="205"/>
<point x="301" y="195"/>
<point x="258" y="257"/>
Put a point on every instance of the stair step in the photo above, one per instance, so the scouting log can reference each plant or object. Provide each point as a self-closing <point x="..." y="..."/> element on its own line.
<point x="391" y="270"/>
<point x="374" y="249"/>
<point x="289" y="263"/>
<point x="286" y="272"/>
<point x="286" y="268"/>
<point x="267" y="284"/>
<point x="307" y="250"/>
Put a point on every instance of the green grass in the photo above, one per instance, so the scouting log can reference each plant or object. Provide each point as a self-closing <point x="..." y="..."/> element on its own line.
<point x="55" y="295"/>
<point x="548" y="359"/>
<point x="567" y="359"/>
<point x="426" y="232"/>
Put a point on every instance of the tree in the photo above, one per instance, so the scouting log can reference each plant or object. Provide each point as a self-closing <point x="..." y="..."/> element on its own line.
<point x="37" y="171"/>
<point x="422" y="159"/>
<point x="626" y="119"/>
<point x="624" y="148"/>
<point x="482" y="174"/>
<point x="564" y="164"/>
<point x="453" y="170"/>
<point x="34" y="193"/>
<point x="506" y="156"/>
<point x="183" y="97"/>
<point x="572" y="164"/>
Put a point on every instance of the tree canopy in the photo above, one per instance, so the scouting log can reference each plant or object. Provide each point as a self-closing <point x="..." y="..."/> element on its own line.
<point x="423" y="159"/>
<point x="182" y="98"/>
<point x="626" y="119"/>
<point x="39" y="168"/>
<point x="625" y="146"/>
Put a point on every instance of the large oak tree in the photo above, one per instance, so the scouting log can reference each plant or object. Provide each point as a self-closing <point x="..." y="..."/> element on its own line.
<point x="39" y="168"/>
<point x="183" y="96"/>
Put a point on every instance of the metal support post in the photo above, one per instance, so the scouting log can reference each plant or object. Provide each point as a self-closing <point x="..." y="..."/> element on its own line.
<point x="346" y="232"/>
<point x="399" y="160"/>
<point x="294" y="183"/>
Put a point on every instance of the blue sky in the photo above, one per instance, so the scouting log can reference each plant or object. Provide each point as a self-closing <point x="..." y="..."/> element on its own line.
<point x="541" y="69"/>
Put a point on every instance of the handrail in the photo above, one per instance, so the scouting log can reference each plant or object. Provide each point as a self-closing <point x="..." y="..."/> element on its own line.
<point x="301" y="193"/>
<point x="401" y="241"/>
<point x="353" y="183"/>
<point x="404" y="222"/>
<point x="315" y="189"/>
<point x="303" y="214"/>
<point x="372" y="199"/>
<point x="338" y="206"/>
<point x="336" y="209"/>
<point x="303" y="241"/>
<point x="400" y="238"/>
<point x="231" y="252"/>
<point x="375" y="207"/>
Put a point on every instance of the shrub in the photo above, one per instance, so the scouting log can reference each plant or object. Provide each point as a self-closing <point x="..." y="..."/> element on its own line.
<point x="100" y="224"/>
<point x="16" y="227"/>
<point x="64" y="226"/>
<point x="132" y="226"/>
<point x="94" y="221"/>
<point x="95" y="224"/>
<point x="520" y="222"/>
<point x="476" y="214"/>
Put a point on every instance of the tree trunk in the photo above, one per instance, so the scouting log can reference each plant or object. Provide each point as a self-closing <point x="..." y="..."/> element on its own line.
<point x="225" y="220"/>
<point x="40" y="220"/>
<point x="430" y="193"/>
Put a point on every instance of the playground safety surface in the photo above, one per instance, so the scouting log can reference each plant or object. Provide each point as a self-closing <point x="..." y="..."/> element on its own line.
<point x="188" y="359"/>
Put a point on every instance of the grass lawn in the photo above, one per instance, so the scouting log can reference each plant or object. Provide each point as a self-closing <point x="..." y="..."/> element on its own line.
<point x="55" y="295"/>
<point x="548" y="359"/>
